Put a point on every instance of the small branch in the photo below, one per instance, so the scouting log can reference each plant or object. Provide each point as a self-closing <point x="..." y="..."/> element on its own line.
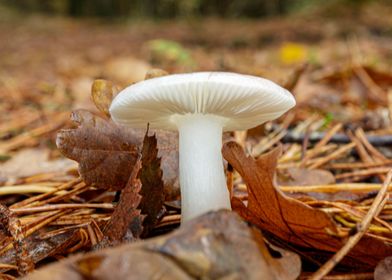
<point x="43" y="196"/>
<point x="339" y="138"/>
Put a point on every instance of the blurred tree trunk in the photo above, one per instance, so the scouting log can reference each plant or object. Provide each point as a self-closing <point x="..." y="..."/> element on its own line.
<point x="75" y="7"/>
<point x="173" y="8"/>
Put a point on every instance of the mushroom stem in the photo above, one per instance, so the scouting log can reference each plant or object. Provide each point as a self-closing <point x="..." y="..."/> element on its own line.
<point x="202" y="177"/>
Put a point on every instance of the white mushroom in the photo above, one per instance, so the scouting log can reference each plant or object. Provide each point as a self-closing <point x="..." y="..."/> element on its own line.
<point x="201" y="106"/>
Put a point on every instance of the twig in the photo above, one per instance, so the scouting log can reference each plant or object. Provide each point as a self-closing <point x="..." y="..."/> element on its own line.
<point x="362" y="147"/>
<point x="20" y="140"/>
<point x="45" y="195"/>
<point x="338" y="138"/>
<point x="363" y="154"/>
<point x="354" y="165"/>
<point x="169" y="220"/>
<point x="351" y="276"/>
<point x="25" y="189"/>
<point x="62" y="206"/>
<point x="373" y="151"/>
<point x="268" y="142"/>
<point x="351" y="187"/>
<point x="327" y="137"/>
<point x="336" y="154"/>
<point x="375" y="209"/>
<point x="378" y="94"/>
<point x="55" y="232"/>
<point x="363" y="173"/>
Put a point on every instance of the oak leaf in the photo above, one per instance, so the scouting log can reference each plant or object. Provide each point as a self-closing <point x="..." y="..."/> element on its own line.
<point x="289" y="219"/>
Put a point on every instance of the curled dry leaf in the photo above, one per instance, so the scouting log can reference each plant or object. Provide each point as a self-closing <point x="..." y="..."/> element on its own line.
<point x="107" y="152"/>
<point x="218" y="245"/>
<point x="290" y="219"/>
<point x="102" y="92"/>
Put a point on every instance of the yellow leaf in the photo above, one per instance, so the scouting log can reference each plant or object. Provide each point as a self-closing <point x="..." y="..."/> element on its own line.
<point x="291" y="53"/>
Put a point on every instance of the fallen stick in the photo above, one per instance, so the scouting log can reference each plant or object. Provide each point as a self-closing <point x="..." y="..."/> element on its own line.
<point x="332" y="188"/>
<point x="339" y="138"/>
<point x="61" y="206"/>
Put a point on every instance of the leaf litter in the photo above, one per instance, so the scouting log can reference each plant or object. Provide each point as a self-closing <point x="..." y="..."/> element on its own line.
<point x="214" y="246"/>
<point x="340" y="126"/>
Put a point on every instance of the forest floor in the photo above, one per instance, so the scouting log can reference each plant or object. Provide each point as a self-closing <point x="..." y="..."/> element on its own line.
<point x="336" y="143"/>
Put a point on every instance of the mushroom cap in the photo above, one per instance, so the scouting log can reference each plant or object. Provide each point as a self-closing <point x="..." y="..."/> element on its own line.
<point x="243" y="101"/>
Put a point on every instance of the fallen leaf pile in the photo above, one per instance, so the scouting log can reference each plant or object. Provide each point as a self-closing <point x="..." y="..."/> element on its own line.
<point x="215" y="246"/>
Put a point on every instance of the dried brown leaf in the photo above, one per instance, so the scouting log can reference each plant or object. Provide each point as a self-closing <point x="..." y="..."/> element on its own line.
<point x="107" y="152"/>
<point x="102" y="92"/>
<point x="217" y="245"/>
<point x="126" y="210"/>
<point x="290" y="219"/>
<point x="152" y="190"/>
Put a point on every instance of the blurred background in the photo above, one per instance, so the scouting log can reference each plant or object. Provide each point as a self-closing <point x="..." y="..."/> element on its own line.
<point x="51" y="51"/>
<point x="172" y="8"/>
<point x="335" y="56"/>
